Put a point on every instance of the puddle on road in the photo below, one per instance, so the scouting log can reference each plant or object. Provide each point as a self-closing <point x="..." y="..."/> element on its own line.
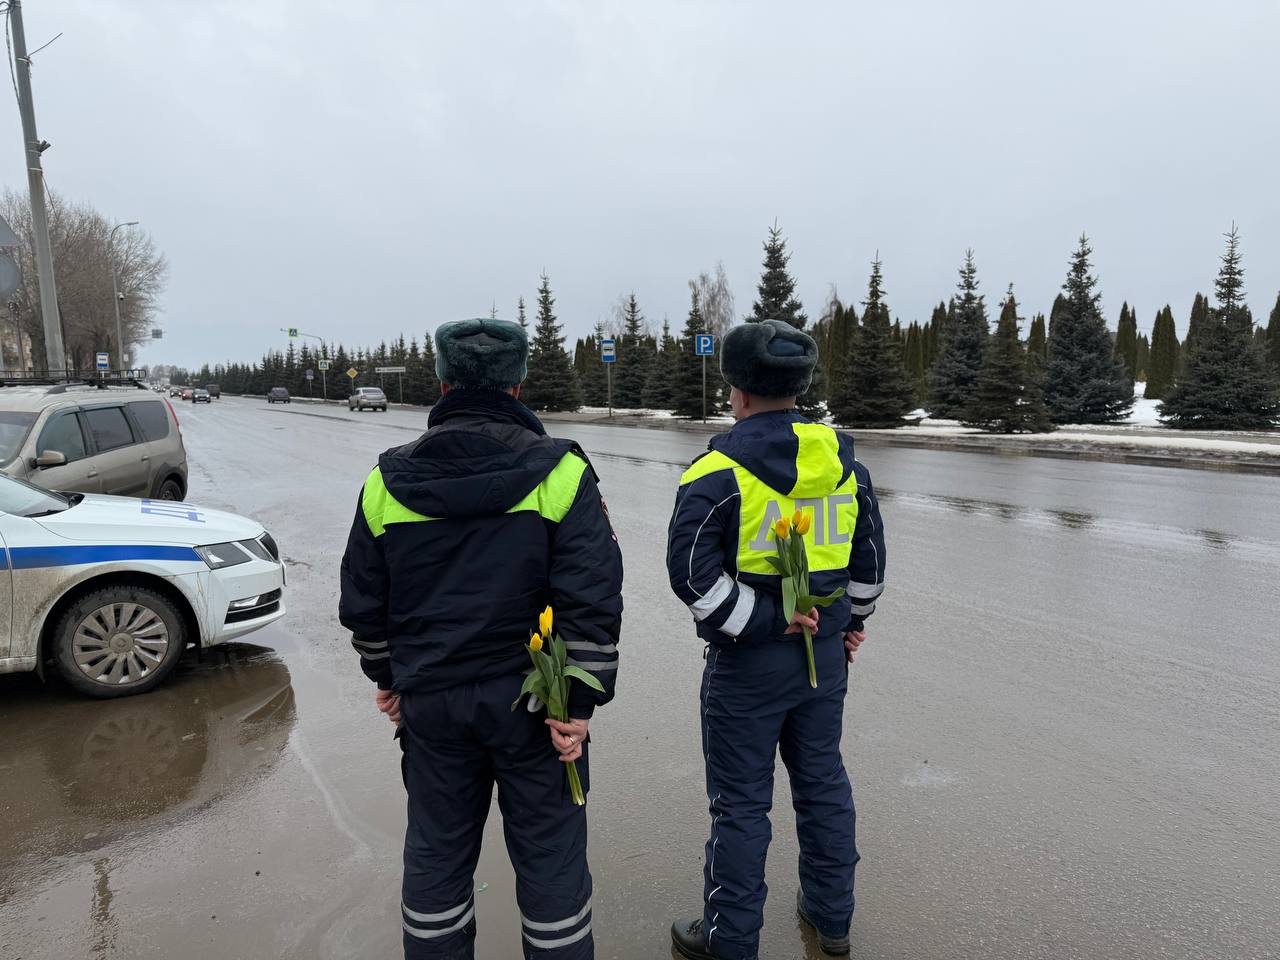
<point x="77" y="775"/>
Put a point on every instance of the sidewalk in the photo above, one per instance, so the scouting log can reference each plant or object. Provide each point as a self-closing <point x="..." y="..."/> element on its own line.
<point x="1121" y="443"/>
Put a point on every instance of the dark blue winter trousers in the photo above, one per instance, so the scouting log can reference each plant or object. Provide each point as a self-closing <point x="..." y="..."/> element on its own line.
<point x="756" y="701"/>
<point x="457" y="744"/>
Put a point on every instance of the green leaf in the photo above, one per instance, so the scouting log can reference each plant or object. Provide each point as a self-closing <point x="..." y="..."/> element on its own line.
<point x="777" y="564"/>
<point x="561" y="652"/>
<point x="581" y="675"/>
<point x="532" y="681"/>
<point x="789" y="597"/>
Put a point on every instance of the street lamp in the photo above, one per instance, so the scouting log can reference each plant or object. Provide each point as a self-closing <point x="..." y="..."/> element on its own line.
<point x="115" y="290"/>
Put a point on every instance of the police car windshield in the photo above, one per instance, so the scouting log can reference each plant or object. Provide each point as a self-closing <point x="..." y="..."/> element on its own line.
<point x="14" y="427"/>
<point x="21" y="499"/>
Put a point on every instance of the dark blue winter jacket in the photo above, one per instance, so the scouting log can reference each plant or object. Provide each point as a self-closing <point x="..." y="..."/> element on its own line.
<point x="767" y="467"/>
<point x="463" y="536"/>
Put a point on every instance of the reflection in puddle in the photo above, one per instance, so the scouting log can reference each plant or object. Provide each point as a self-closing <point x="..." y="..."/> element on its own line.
<point x="104" y="923"/>
<point x="1072" y="520"/>
<point x="968" y="505"/>
<point x="77" y="774"/>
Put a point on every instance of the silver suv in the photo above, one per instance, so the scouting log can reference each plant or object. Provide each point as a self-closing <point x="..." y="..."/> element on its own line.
<point x="82" y="439"/>
<point x="367" y="398"/>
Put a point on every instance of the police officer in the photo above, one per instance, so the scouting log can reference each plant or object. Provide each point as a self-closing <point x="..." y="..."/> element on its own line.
<point x="756" y="697"/>
<point x="461" y="538"/>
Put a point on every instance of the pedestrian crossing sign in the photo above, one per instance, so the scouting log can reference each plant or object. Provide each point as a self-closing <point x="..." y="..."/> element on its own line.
<point x="293" y="333"/>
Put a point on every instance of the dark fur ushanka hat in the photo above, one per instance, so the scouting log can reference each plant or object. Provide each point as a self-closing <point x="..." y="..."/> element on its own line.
<point x="768" y="359"/>
<point x="492" y="354"/>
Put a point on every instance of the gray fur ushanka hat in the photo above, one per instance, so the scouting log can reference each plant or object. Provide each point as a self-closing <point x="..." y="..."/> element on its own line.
<point x="768" y="359"/>
<point x="488" y="354"/>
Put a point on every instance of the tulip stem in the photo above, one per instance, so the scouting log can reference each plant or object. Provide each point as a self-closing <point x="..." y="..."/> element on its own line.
<point x="808" y="652"/>
<point x="575" y="784"/>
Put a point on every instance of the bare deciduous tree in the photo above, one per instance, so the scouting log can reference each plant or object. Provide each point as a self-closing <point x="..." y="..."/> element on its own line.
<point x="716" y="300"/>
<point x="82" y="258"/>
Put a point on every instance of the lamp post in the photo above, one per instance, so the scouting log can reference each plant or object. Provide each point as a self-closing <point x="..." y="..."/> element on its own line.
<point x="115" y="290"/>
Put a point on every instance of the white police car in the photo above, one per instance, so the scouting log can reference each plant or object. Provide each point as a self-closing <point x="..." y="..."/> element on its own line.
<point x="111" y="589"/>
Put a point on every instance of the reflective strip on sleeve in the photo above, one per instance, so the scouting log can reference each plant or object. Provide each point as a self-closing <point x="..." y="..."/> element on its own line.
<point x="742" y="611"/>
<point x="710" y="602"/>
<point x="865" y="591"/>
<point x="594" y="666"/>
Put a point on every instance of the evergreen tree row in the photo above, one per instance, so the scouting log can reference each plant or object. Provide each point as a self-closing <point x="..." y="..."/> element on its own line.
<point x="874" y="372"/>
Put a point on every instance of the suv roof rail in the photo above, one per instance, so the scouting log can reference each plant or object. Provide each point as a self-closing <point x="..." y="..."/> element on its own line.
<point x="59" y="382"/>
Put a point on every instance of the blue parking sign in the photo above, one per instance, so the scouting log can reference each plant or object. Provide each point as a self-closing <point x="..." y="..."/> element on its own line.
<point x="704" y="344"/>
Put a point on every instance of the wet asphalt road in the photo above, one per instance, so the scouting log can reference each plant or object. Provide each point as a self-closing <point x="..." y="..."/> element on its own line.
<point x="1064" y="732"/>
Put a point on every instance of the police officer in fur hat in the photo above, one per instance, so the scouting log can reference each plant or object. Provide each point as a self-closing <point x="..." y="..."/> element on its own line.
<point x="756" y="696"/>
<point x="461" y="538"/>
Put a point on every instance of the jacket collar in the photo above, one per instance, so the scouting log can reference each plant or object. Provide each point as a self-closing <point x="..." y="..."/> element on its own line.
<point x="491" y="405"/>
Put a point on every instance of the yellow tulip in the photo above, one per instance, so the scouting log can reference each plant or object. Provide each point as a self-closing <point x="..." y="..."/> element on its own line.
<point x="545" y="621"/>
<point x="782" y="528"/>
<point x="804" y="523"/>
<point x="535" y="643"/>
<point x="796" y="518"/>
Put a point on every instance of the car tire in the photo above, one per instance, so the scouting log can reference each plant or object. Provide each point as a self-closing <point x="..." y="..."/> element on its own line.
<point x="171" y="489"/>
<point x="134" y="659"/>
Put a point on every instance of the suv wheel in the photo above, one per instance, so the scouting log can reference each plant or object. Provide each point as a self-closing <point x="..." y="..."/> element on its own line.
<point x="171" y="489"/>
<point x="119" y="641"/>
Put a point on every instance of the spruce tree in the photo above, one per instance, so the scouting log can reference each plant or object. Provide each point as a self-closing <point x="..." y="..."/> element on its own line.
<point x="1059" y="308"/>
<point x="552" y="383"/>
<point x="1225" y="384"/>
<point x="1004" y="400"/>
<point x="635" y="358"/>
<point x="520" y="316"/>
<point x="1085" y="382"/>
<point x="776" y="300"/>
<point x="874" y="390"/>
<point x="1162" y="366"/>
<point x="954" y="376"/>
<point x="1143" y="357"/>
<point x="687" y="396"/>
<point x="840" y="323"/>
<point x="1273" y="338"/>
<point x="937" y="324"/>
<point x="660" y="388"/>
<point x="1126" y="344"/>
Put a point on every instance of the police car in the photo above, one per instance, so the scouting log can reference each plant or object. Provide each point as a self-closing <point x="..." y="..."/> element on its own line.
<point x="111" y="590"/>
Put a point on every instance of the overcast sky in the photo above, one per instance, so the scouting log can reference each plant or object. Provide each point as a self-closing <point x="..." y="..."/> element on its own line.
<point x="362" y="169"/>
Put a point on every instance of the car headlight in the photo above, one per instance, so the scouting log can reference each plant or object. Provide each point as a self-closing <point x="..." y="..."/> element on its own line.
<point x="220" y="555"/>
<point x="256" y="548"/>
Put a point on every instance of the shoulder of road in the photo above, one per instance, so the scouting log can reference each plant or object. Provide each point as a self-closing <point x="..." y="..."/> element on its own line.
<point x="1229" y="451"/>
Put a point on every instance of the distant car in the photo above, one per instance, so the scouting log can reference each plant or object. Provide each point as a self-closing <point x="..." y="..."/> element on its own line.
<point x="277" y="395"/>
<point x="111" y="590"/>
<point x="125" y="442"/>
<point x="215" y="391"/>
<point x="188" y="393"/>
<point x="200" y="396"/>
<point x="175" y="391"/>
<point x="367" y="398"/>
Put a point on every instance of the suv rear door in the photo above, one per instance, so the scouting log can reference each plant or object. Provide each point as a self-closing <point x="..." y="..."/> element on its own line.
<point x="64" y="433"/>
<point x="161" y="445"/>
<point x="122" y="461"/>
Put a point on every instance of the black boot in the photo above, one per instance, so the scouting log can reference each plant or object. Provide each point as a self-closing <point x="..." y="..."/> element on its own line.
<point x="690" y="940"/>
<point x="835" y="946"/>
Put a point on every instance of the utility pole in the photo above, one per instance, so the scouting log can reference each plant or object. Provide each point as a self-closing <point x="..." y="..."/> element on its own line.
<point x="55" y="355"/>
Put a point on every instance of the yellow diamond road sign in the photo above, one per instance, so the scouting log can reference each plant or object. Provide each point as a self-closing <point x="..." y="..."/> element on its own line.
<point x="353" y="373"/>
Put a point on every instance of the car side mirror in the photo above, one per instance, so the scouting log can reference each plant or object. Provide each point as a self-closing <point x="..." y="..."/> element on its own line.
<point x="51" y="458"/>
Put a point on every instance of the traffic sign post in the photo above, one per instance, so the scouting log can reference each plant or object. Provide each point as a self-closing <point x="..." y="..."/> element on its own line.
<point x="311" y="379"/>
<point x="399" y="372"/>
<point x="293" y="333"/>
<point x="102" y="360"/>
<point x="324" y="378"/>
<point x="704" y="345"/>
<point x="609" y="356"/>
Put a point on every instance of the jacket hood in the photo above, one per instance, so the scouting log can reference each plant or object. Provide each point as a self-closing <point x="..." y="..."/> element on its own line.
<point x="483" y="454"/>
<point x="793" y="456"/>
